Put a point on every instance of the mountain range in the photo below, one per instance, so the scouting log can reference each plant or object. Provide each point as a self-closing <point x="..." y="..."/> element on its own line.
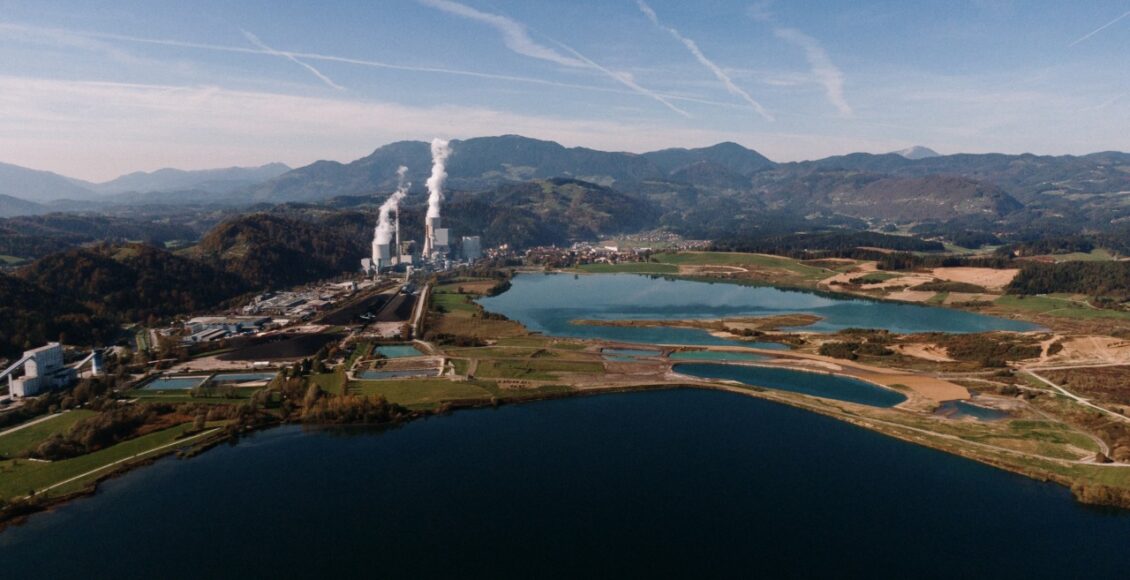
<point x="26" y="191"/>
<point x="726" y="180"/>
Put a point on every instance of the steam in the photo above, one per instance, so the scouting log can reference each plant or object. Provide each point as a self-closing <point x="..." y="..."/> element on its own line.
<point x="440" y="151"/>
<point x="384" y="222"/>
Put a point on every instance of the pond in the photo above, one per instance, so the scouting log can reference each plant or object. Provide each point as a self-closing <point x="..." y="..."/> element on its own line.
<point x="549" y="303"/>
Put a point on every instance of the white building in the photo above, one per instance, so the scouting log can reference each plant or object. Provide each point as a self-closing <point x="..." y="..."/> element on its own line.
<point x="472" y="248"/>
<point x="43" y="370"/>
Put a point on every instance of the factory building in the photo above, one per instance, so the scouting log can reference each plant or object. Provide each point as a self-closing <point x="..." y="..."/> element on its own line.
<point x="472" y="248"/>
<point x="43" y="370"/>
<point x="435" y="238"/>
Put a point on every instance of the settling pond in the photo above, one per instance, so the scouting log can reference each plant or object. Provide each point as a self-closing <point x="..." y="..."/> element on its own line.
<point x="548" y="303"/>
<point x="676" y="483"/>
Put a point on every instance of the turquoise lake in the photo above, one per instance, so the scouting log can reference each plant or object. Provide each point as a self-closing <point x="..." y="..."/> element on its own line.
<point x="547" y="303"/>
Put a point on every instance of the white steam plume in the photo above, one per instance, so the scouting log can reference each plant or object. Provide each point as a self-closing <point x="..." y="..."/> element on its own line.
<point x="384" y="222"/>
<point x="440" y="151"/>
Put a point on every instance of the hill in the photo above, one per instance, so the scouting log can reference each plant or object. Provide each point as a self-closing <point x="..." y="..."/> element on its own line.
<point x="484" y="162"/>
<point x="731" y="156"/>
<point x="208" y="180"/>
<point x="132" y="282"/>
<point x="38" y="236"/>
<point x="39" y="186"/>
<point x="880" y="197"/>
<point x="273" y="251"/>
<point x="13" y="206"/>
<point x="32" y="315"/>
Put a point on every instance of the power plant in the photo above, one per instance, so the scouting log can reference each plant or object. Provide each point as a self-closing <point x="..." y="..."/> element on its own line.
<point x="387" y="254"/>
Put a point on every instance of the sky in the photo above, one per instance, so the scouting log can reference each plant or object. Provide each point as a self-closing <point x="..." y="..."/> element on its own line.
<point x="94" y="90"/>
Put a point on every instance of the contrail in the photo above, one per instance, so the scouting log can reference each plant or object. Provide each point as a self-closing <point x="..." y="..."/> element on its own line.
<point x="517" y="39"/>
<point x="692" y="46"/>
<point x="325" y="79"/>
<point x="1099" y="29"/>
<point x="624" y="80"/>
<point x="354" y="61"/>
<point x="827" y="73"/>
<point x="514" y="33"/>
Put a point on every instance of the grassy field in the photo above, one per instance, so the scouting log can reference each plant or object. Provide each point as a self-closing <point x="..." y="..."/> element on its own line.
<point x="19" y="477"/>
<point x="1057" y="306"/>
<point x="10" y="260"/>
<point x="479" y="327"/>
<point x="631" y="267"/>
<point x="329" y="382"/>
<point x="534" y="369"/>
<point x="421" y="393"/>
<point x="455" y="304"/>
<point x="739" y="259"/>
<point x="876" y="277"/>
<point x="27" y="438"/>
<point x="185" y="396"/>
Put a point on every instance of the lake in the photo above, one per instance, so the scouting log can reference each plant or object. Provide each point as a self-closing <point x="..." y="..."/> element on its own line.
<point x="548" y="303"/>
<point x="824" y="385"/>
<point x="682" y="483"/>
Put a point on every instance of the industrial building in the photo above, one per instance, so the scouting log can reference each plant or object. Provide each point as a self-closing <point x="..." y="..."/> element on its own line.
<point x="44" y="370"/>
<point x="472" y="248"/>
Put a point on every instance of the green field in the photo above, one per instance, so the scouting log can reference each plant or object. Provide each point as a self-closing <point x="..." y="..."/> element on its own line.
<point x="18" y="477"/>
<point x="329" y="382"/>
<point x="26" y="439"/>
<point x="739" y="259"/>
<point x="631" y="268"/>
<point x="10" y="260"/>
<point x="455" y="304"/>
<point x="420" y="393"/>
<point x="875" y="277"/>
<point x="534" y="369"/>
<point x="1057" y="306"/>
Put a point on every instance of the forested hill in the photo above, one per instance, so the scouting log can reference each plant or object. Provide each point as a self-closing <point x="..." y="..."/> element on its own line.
<point x="133" y="282"/>
<point x="31" y="315"/>
<point x="273" y="251"/>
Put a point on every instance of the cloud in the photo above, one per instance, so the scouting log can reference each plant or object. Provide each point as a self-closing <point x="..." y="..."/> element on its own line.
<point x="826" y="73"/>
<point x="325" y="79"/>
<point x="50" y="123"/>
<point x="706" y="62"/>
<point x="1099" y="29"/>
<point x="514" y="33"/>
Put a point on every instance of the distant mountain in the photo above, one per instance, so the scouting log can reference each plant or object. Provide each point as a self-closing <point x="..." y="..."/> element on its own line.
<point x="883" y="197"/>
<point x="207" y="180"/>
<point x="731" y="156"/>
<point x="14" y="206"/>
<point x="917" y="152"/>
<point x="39" y="186"/>
<point x="484" y="162"/>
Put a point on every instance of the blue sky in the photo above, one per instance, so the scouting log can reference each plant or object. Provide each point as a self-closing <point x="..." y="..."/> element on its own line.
<point x="97" y="91"/>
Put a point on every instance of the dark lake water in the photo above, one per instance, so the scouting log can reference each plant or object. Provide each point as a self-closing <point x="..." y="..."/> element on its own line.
<point x="823" y="385"/>
<point x="679" y="483"/>
<point x="549" y="302"/>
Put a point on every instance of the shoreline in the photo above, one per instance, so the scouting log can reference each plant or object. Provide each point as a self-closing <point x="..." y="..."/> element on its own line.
<point x="824" y="407"/>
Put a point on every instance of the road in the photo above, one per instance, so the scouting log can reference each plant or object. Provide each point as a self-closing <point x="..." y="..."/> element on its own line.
<point x="30" y="423"/>
<point x="121" y="461"/>
<point x="1077" y="398"/>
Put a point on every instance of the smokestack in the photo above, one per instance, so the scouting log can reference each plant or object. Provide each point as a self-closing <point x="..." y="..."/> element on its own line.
<point x="440" y="151"/>
<point x="382" y="235"/>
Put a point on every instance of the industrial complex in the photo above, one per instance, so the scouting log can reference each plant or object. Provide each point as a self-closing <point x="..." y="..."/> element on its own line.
<point x="389" y="253"/>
